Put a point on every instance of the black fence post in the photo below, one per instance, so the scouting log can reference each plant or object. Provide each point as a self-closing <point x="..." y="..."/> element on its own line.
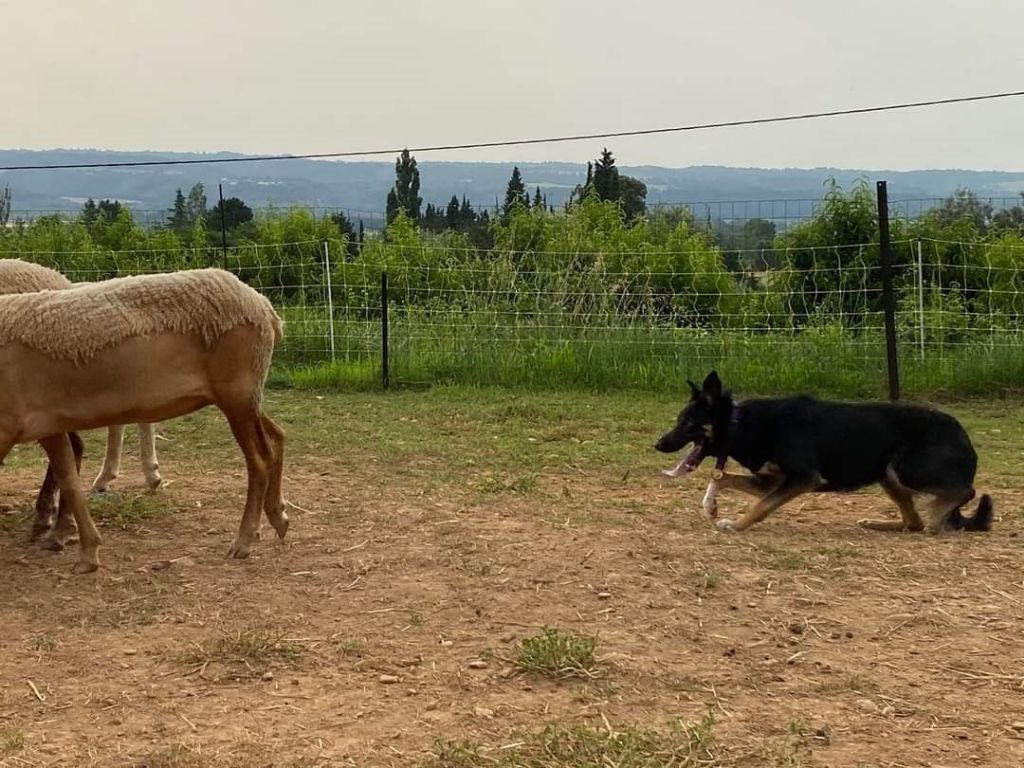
<point x="385" y="363"/>
<point x="223" y="229"/>
<point x="888" y="295"/>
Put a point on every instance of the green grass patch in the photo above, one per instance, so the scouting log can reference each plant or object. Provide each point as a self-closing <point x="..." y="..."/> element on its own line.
<point x="482" y="348"/>
<point x="127" y="510"/>
<point x="557" y="654"/>
<point x="464" y="435"/>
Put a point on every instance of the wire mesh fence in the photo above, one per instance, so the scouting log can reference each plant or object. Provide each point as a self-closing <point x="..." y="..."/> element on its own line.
<point x="641" y="318"/>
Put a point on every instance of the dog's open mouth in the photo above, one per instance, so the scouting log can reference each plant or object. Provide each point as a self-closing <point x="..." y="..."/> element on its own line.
<point x="689" y="463"/>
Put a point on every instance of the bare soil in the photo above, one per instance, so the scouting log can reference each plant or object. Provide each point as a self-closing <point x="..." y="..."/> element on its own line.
<point x="812" y="643"/>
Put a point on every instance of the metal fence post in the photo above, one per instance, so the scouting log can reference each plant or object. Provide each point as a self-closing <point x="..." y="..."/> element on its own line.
<point x="385" y="362"/>
<point x="223" y="229"/>
<point x="888" y="295"/>
<point x="920" y="295"/>
<point x="330" y="296"/>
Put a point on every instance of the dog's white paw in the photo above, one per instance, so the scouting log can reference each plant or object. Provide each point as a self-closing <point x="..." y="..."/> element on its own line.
<point x="864" y="522"/>
<point x="725" y="525"/>
<point x="709" y="503"/>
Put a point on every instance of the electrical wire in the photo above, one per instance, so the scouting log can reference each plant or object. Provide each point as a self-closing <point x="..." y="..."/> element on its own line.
<point x="522" y="142"/>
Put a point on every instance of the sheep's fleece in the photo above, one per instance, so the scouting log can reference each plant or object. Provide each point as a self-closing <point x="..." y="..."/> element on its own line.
<point x="77" y="323"/>
<point x="18" y="276"/>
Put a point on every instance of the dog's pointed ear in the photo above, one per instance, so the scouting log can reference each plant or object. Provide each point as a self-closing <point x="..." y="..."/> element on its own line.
<point x="694" y="391"/>
<point x="713" y="385"/>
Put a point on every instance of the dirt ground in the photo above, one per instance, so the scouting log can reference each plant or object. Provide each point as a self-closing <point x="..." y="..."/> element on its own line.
<point x="391" y="616"/>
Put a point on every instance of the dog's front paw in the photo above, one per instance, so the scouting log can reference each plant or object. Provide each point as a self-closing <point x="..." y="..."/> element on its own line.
<point x="710" y="509"/>
<point x="724" y="525"/>
<point x="709" y="503"/>
<point x="864" y="522"/>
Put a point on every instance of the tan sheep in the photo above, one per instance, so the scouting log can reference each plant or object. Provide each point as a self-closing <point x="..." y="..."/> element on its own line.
<point x="141" y="349"/>
<point x="18" y="276"/>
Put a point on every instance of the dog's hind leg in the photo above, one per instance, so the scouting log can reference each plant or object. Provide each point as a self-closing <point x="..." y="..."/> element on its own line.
<point x="942" y="506"/>
<point x="981" y="520"/>
<point x="789" y="489"/>
<point x="943" y="469"/>
<point x="904" y="498"/>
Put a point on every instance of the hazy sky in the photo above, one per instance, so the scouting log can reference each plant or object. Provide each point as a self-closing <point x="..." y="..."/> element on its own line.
<point x="264" y="76"/>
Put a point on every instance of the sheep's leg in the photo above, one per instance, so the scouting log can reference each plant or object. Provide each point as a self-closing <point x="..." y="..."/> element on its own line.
<point x="147" y="454"/>
<point x="64" y="529"/>
<point x="46" y="505"/>
<point x="62" y="458"/>
<point x="111" y="460"/>
<point x="274" y="504"/>
<point x="246" y="427"/>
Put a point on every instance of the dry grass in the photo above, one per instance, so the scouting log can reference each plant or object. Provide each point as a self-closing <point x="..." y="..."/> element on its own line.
<point x="11" y="740"/>
<point x="240" y="755"/>
<point x="252" y="650"/>
<point x="683" y="745"/>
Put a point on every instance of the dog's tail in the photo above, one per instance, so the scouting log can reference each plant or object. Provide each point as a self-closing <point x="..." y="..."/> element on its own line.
<point x="981" y="520"/>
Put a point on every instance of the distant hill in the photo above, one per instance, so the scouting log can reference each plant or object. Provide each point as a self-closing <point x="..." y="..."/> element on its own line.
<point x="363" y="186"/>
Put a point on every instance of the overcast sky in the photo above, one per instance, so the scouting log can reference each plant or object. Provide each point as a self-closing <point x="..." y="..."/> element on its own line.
<point x="265" y="76"/>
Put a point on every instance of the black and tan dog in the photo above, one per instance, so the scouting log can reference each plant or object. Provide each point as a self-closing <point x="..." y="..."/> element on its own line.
<point x="797" y="445"/>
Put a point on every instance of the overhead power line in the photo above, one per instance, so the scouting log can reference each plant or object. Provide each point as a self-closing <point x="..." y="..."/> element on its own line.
<point x="522" y="142"/>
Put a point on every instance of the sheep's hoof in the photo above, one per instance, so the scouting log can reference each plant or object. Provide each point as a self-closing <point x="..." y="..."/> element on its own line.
<point x="281" y="525"/>
<point x="39" y="528"/>
<point x="102" y="483"/>
<point x="239" y="550"/>
<point x="57" y="543"/>
<point x="86" y="565"/>
<point x="52" y="544"/>
<point x="154" y="482"/>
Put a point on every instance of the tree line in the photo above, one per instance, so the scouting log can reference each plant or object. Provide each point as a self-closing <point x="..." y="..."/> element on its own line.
<point x="603" y="248"/>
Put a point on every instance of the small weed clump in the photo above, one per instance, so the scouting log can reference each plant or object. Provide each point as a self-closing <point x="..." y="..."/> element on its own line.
<point x="557" y="654"/>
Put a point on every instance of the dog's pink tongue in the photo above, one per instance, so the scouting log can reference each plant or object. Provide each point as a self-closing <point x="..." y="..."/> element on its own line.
<point x="679" y="469"/>
<point x="687" y="464"/>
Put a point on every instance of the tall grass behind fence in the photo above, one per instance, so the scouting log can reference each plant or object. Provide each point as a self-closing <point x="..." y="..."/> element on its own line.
<point x="587" y="299"/>
<point x="582" y="320"/>
<point x="629" y="318"/>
